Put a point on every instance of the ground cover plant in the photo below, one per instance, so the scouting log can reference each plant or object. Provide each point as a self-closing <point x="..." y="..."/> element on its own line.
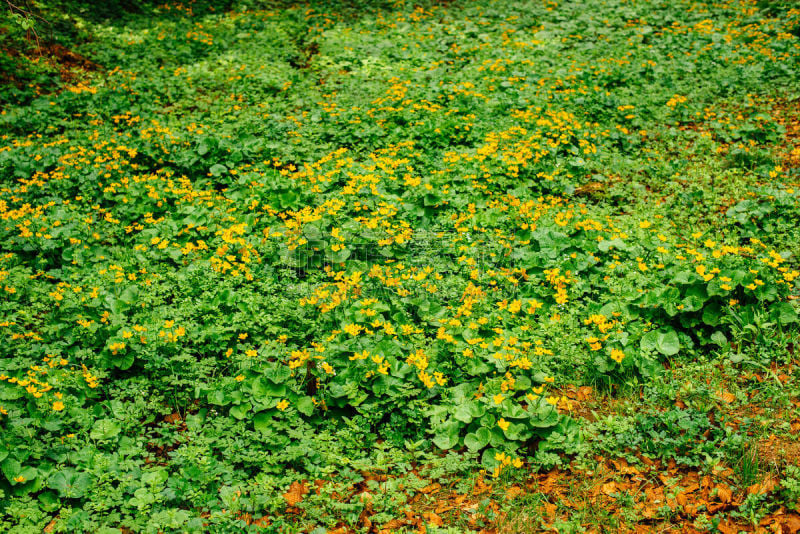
<point x="459" y="266"/>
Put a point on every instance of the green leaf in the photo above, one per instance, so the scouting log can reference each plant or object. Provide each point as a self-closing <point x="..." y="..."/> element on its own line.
<point x="338" y="256"/>
<point x="240" y="410"/>
<point x="447" y="435"/>
<point x="784" y="313"/>
<point x="517" y="432"/>
<point x="11" y="468"/>
<point x="712" y="313"/>
<point x="513" y="411"/>
<point x="278" y="373"/>
<point x="606" y="245"/>
<point x="205" y="145"/>
<point x="468" y="411"/>
<point x="477" y="440"/>
<point x="263" y="421"/>
<point x="431" y="199"/>
<point x="649" y="367"/>
<point x="305" y="405"/>
<point x="156" y="477"/>
<point x="263" y="387"/>
<point x="542" y="415"/>
<point x="218" y="170"/>
<point x="217" y="397"/>
<point x="665" y="341"/>
<point x="124" y="361"/>
<point x="477" y="367"/>
<point x="488" y="459"/>
<point x="104" y="429"/>
<point x="312" y="232"/>
<point x="719" y="338"/>
<point x="69" y="484"/>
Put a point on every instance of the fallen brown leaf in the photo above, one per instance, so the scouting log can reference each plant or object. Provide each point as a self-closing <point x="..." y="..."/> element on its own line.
<point x="433" y="519"/>
<point x="295" y="494"/>
<point x="430" y="488"/>
<point x="724" y="493"/>
<point x="513" y="492"/>
<point x="608" y="488"/>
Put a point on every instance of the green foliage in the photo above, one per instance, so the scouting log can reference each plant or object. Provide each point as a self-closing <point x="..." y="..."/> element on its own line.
<point x="264" y="244"/>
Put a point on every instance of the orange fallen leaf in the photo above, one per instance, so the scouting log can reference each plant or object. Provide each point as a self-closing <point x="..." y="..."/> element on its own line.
<point x="513" y="492"/>
<point x="430" y="488"/>
<point x="608" y="488"/>
<point x="392" y="525"/>
<point x="648" y="461"/>
<point x="790" y="524"/>
<point x="443" y="506"/>
<point x="550" y="510"/>
<point x="549" y="481"/>
<point x="725" y="396"/>
<point x="433" y="519"/>
<point x="295" y="494"/>
<point x="172" y="418"/>
<point x="765" y="486"/>
<point x="365" y="521"/>
<point x="724" y="493"/>
<point x="262" y="521"/>
<point x="727" y="527"/>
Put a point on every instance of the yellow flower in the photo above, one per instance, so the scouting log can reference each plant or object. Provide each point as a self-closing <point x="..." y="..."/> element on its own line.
<point x="498" y="398"/>
<point x="19" y="479"/>
<point x="517" y="463"/>
<point x="363" y="355"/>
<point x="352" y="329"/>
<point x="282" y="405"/>
<point x="58" y="406"/>
<point x="239" y="378"/>
<point x="503" y="424"/>
<point x="617" y="355"/>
